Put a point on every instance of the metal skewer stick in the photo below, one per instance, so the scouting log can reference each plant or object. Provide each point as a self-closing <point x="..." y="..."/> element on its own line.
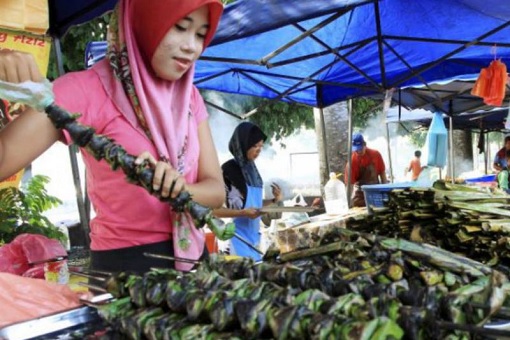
<point x="171" y="258"/>
<point x="97" y="278"/>
<point x="54" y="259"/>
<point x="245" y="241"/>
<point x="502" y="312"/>
<point x="100" y="272"/>
<point x="473" y="329"/>
<point x="88" y="285"/>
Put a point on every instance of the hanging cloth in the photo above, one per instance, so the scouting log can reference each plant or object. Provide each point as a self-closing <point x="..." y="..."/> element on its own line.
<point x="491" y="83"/>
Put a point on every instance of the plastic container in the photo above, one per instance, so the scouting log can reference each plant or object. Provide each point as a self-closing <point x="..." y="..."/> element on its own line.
<point x="335" y="196"/>
<point x="377" y="195"/>
<point x="57" y="271"/>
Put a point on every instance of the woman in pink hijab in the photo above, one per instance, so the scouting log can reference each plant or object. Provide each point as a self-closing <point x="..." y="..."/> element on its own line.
<point x="142" y="96"/>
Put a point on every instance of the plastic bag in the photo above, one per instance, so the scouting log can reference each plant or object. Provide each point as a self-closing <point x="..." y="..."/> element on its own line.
<point x="437" y="142"/>
<point x="39" y="248"/>
<point x="37" y="95"/>
<point x="13" y="260"/>
<point x="18" y="256"/>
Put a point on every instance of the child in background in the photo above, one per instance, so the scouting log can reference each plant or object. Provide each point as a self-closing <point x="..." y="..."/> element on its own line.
<point x="415" y="166"/>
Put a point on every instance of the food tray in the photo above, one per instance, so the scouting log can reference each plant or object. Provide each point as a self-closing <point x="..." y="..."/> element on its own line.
<point x="54" y="326"/>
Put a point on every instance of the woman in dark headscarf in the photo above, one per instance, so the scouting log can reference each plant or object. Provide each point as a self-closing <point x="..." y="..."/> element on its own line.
<point x="244" y="187"/>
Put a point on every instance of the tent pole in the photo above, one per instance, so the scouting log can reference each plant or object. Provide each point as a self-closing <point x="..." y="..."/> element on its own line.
<point x="349" y="153"/>
<point x="452" y="167"/>
<point x="386" y="106"/>
<point x="324" y="141"/>
<point x="82" y="210"/>
<point x="389" y="151"/>
<point x="487" y="153"/>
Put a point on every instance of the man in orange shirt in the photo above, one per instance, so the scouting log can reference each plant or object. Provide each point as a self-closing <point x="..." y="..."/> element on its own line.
<point x="367" y="168"/>
<point x="415" y="166"/>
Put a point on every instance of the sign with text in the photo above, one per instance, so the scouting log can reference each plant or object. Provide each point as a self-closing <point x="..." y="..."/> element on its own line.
<point x="38" y="45"/>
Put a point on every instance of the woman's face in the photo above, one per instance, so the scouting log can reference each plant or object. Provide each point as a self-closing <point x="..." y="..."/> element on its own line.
<point x="254" y="151"/>
<point x="181" y="46"/>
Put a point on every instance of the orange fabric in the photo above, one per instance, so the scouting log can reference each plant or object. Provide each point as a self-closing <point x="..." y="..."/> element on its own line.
<point x="370" y="157"/>
<point x="29" y="298"/>
<point x="491" y="83"/>
<point x="415" y="167"/>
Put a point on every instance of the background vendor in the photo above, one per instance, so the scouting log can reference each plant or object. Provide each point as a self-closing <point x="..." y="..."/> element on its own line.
<point x="367" y="168"/>
<point x="244" y="188"/>
<point x="500" y="161"/>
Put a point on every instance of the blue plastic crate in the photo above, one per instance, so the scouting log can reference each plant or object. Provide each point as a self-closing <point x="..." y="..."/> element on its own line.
<point x="486" y="178"/>
<point x="377" y="195"/>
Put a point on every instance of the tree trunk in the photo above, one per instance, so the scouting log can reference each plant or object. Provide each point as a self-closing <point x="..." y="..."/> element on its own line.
<point x="462" y="152"/>
<point x="332" y="143"/>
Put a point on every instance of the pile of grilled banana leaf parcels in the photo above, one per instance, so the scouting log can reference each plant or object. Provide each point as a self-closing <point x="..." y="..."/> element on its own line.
<point x="353" y="286"/>
<point x="459" y="218"/>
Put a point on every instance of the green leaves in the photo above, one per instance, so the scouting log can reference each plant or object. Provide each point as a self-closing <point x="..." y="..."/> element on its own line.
<point x="280" y="119"/>
<point x="21" y="211"/>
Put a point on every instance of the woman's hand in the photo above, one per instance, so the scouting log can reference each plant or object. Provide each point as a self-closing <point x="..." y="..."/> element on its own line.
<point x="165" y="176"/>
<point x="251" y="213"/>
<point x="17" y="67"/>
<point x="277" y="192"/>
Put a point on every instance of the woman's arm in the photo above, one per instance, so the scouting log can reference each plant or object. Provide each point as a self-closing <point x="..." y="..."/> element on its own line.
<point x="24" y="139"/>
<point x="209" y="189"/>
<point x="233" y="213"/>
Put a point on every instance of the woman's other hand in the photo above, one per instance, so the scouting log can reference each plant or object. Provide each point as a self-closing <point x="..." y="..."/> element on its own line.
<point x="18" y="67"/>
<point x="165" y="178"/>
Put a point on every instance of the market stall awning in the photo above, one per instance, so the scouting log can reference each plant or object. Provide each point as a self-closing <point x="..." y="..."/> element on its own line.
<point x="326" y="52"/>
<point x="492" y="120"/>
<point x="66" y="13"/>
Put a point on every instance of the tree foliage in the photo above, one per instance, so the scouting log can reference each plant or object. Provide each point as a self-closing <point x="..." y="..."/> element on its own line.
<point x="22" y="211"/>
<point x="279" y="119"/>
<point x="74" y="42"/>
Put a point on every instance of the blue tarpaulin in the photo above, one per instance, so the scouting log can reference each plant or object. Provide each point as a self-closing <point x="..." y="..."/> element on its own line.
<point x="322" y="52"/>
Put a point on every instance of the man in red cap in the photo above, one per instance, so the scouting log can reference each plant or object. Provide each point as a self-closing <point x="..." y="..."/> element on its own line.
<point x="367" y="168"/>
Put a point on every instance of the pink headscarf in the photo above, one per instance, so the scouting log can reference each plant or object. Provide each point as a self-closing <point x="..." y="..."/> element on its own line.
<point x="160" y="107"/>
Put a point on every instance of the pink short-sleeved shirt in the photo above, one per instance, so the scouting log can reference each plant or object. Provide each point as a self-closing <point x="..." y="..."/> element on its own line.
<point x="126" y="215"/>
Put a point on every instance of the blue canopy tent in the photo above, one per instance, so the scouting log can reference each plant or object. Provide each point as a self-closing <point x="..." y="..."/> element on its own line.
<point x="327" y="51"/>
<point x="486" y="121"/>
<point x="323" y="52"/>
<point x="298" y="56"/>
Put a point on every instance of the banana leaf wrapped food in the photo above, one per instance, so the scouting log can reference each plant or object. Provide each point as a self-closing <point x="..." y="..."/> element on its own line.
<point x="253" y="317"/>
<point x="134" y="325"/>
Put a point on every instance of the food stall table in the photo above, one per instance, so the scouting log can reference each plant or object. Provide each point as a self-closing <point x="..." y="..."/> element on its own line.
<point x="307" y="234"/>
